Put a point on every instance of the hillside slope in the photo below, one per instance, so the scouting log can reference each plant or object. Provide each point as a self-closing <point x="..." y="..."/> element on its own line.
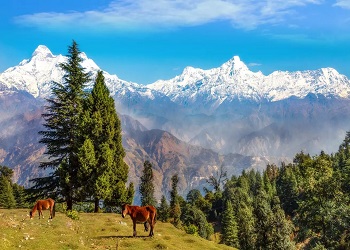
<point x="91" y="231"/>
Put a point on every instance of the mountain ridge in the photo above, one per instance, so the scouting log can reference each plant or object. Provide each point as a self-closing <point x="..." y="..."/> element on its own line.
<point x="231" y="80"/>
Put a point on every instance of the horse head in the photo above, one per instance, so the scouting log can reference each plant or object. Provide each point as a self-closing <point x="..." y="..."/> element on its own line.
<point x="124" y="210"/>
<point x="30" y="215"/>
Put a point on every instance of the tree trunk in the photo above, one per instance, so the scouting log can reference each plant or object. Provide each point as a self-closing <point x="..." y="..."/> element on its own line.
<point x="69" y="204"/>
<point x="97" y="201"/>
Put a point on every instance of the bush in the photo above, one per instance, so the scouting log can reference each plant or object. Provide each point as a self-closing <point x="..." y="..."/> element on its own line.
<point x="73" y="214"/>
<point x="61" y="207"/>
<point x="191" y="229"/>
<point x="86" y="207"/>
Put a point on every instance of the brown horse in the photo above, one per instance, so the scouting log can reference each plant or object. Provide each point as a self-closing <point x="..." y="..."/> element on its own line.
<point x="141" y="214"/>
<point x="43" y="205"/>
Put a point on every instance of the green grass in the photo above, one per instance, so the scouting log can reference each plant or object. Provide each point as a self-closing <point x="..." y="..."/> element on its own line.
<point x="91" y="231"/>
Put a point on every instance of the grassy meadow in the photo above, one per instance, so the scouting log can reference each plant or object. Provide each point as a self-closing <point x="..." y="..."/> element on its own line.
<point x="91" y="231"/>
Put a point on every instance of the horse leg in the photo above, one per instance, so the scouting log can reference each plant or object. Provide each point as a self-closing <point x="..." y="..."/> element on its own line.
<point x="151" y="223"/>
<point x="50" y="213"/>
<point x="146" y="224"/>
<point x="134" y="227"/>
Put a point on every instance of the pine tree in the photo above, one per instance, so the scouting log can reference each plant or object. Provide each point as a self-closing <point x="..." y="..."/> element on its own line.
<point x="193" y="196"/>
<point x="63" y="134"/>
<point x="281" y="229"/>
<point x="175" y="209"/>
<point x="193" y="218"/>
<point x="146" y="188"/>
<point x="103" y="167"/>
<point x="20" y="196"/>
<point x="245" y="219"/>
<point x="323" y="209"/>
<point x="163" y="210"/>
<point x="264" y="220"/>
<point x="130" y="193"/>
<point x="229" y="226"/>
<point x="287" y="190"/>
<point x="7" y="199"/>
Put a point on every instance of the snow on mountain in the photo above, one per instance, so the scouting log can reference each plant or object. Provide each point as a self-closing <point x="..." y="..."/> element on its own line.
<point x="233" y="80"/>
<point x="35" y="75"/>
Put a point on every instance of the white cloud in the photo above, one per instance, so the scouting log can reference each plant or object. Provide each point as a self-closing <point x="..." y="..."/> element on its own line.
<point x="254" y="64"/>
<point x="128" y="14"/>
<point x="343" y="4"/>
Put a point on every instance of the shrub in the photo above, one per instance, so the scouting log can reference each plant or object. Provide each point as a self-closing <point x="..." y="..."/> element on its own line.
<point x="73" y="214"/>
<point x="191" y="229"/>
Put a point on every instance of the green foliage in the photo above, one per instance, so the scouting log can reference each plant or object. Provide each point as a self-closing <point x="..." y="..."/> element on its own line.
<point x="85" y="207"/>
<point x="130" y="193"/>
<point x="260" y="220"/>
<point x="191" y="229"/>
<point x="20" y="195"/>
<point x="323" y="210"/>
<point x="194" y="197"/>
<point x="287" y="189"/>
<point x="83" y="140"/>
<point x="229" y="229"/>
<point x="7" y="198"/>
<point x="175" y="208"/>
<point x="146" y="188"/>
<point x="102" y="153"/>
<point x="191" y="215"/>
<point x="244" y="216"/>
<point x="61" y="207"/>
<point x="63" y="134"/>
<point x="73" y="214"/>
<point x="282" y="229"/>
<point x="163" y="210"/>
<point x="264" y="220"/>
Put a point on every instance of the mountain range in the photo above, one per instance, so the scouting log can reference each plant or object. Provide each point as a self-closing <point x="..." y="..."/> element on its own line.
<point x="191" y="124"/>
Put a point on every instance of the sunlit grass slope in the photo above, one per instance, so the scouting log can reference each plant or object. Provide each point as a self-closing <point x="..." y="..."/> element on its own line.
<point x="91" y="231"/>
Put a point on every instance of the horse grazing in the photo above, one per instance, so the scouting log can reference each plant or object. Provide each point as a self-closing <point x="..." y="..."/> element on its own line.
<point x="141" y="214"/>
<point x="43" y="205"/>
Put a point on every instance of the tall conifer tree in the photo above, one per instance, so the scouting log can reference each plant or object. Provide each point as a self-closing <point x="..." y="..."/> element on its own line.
<point x="175" y="209"/>
<point x="7" y="198"/>
<point x="245" y="217"/>
<point x="147" y="186"/>
<point x="264" y="220"/>
<point x="229" y="226"/>
<point x="163" y="209"/>
<point x="102" y="154"/>
<point x="63" y="134"/>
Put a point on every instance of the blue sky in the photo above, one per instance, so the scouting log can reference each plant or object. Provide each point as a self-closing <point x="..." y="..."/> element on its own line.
<point x="146" y="40"/>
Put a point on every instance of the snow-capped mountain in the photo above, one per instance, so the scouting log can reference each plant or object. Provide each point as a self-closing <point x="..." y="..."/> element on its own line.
<point x="35" y="75"/>
<point x="233" y="80"/>
<point x="199" y="105"/>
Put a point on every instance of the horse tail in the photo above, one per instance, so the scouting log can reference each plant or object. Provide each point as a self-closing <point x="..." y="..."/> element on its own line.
<point x="53" y="210"/>
<point x="155" y="216"/>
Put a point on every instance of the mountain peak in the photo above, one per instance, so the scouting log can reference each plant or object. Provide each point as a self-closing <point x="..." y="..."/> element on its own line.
<point x="42" y="50"/>
<point x="235" y="64"/>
